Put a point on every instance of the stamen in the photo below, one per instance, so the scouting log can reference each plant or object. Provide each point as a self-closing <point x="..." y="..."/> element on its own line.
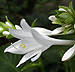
<point x="23" y="45"/>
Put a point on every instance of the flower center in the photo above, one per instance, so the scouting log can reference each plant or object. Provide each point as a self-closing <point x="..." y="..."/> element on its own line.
<point x="23" y="45"/>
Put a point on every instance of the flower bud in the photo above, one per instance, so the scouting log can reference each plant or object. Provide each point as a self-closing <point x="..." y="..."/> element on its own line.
<point x="61" y="9"/>
<point x="8" y="24"/>
<point x="52" y="18"/>
<point x="6" y="33"/>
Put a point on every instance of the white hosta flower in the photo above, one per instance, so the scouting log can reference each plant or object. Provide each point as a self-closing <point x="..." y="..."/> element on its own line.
<point x="69" y="54"/>
<point x="8" y="24"/>
<point x="26" y="30"/>
<point x="6" y="33"/>
<point x="52" y="18"/>
<point x="61" y="9"/>
<point x="32" y="43"/>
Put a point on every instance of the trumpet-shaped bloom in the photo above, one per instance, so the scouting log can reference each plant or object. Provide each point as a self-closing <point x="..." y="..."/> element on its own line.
<point x="69" y="54"/>
<point x="32" y="43"/>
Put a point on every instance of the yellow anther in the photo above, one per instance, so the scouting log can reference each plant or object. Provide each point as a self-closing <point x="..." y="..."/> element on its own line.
<point x="23" y="45"/>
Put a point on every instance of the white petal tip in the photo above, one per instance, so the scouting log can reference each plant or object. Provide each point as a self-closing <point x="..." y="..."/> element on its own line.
<point x="22" y="19"/>
<point x="32" y="60"/>
<point x="63" y="59"/>
<point x="18" y="27"/>
<point x="69" y="54"/>
<point x="5" y="51"/>
<point x="18" y="65"/>
<point x="66" y="58"/>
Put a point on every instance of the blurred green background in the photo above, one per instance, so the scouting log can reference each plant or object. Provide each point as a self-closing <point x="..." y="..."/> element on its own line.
<point x="30" y="10"/>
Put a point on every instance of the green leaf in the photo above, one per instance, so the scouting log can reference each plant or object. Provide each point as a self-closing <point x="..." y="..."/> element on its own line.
<point x="34" y="22"/>
<point x="70" y="5"/>
<point x="72" y="10"/>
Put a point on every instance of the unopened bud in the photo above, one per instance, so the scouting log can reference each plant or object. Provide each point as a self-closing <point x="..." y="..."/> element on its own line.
<point x="6" y="33"/>
<point x="52" y="18"/>
<point x="61" y="9"/>
<point x="8" y="24"/>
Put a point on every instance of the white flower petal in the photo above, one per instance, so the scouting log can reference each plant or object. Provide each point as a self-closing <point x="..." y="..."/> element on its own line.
<point x="18" y="27"/>
<point x="27" y="57"/>
<point x="40" y="38"/>
<point x="25" y="25"/>
<point x="31" y="44"/>
<point x="46" y="41"/>
<point x="69" y="54"/>
<point x="20" y="33"/>
<point x="36" y="57"/>
<point x="42" y="31"/>
<point x="14" y="48"/>
<point x="23" y="46"/>
<point x="60" y="42"/>
<point x="57" y="31"/>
